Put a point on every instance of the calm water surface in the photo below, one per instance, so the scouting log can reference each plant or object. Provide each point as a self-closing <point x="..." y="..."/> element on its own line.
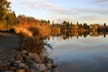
<point x="88" y="54"/>
<point x="76" y="54"/>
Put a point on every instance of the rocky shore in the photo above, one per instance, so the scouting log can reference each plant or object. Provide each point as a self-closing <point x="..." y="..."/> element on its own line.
<point x="28" y="62"/>
<point x="23" y="60"/>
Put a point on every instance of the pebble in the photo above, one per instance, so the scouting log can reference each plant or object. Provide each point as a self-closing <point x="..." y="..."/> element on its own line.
<point x="8" y="63"/>
<point x="12" y="56"/>
<point x="12" y="59"/>
<point x="35" y="57"/>
<point x="24" y="52"/>
<point x="22" y="65"/>
<point x="42" y="67"/>
<point x="18" y="62"/>
<point x="21" y="70"/>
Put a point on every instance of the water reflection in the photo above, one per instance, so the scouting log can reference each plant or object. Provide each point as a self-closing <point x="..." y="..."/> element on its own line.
<point x="32" y="54"/>
<point x="81" y="52"/>
<point x="77" y="34"/>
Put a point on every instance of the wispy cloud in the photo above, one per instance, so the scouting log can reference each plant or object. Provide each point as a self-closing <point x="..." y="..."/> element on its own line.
<point x="101" y="1"/>
<point x="81" y="11"/>
<point x="91" y="17"/>
<point x="40" y="4"/>
<point x="94" y="11"/>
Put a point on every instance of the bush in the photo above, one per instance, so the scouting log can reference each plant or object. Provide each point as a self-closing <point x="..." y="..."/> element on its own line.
<point x="12" y="31"/>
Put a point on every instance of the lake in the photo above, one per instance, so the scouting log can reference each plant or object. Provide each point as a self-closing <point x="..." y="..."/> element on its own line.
<point x="80" y="54"/>
<point x="83" y="53"/>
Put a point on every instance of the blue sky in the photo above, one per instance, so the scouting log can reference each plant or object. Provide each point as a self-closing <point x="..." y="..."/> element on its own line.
<point x="90" y="11"/>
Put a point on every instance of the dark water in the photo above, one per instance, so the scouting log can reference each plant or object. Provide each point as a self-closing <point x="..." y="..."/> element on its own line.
<point x="81" y="54"/>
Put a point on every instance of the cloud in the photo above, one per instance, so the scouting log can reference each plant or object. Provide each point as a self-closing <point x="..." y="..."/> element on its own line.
<point x="82" y="11"/>
<point x="101" y="1"/>
<point x="40" y="4"/>
<point x="94" y="11"/>
<point x="91" y="17"/>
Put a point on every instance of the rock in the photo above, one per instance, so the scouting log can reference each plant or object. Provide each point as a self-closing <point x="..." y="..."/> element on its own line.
<point x="22" y="65"/>
<point x="26" y="67"/>
<point x="53" y="65"/>
<point x="5" y="61"/>
<point x="43" y="56"/>
<point x="37" y="65"/>
<point x="49" y="65"/>
<point x="12" y="68"/>
<point x="35" y="57"/>
<point x="18" y="61"/>
<point x="24" y="52"/>
<point x="12" y="59"/>
<point x="18" y="57"/>
<point x="42" y="67"/>
<point x="8" y="63"/>
<point x="21" y="70"/>
<point x="12" y="56"/>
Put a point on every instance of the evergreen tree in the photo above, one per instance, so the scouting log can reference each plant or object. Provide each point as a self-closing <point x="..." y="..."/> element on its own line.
<point x="11" y="19"/>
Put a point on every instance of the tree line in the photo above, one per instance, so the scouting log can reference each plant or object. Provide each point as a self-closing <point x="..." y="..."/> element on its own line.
<point x="8" y="19"/>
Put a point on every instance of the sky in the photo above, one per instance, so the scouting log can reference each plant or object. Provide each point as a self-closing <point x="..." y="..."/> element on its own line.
<point x="89" y="11"/>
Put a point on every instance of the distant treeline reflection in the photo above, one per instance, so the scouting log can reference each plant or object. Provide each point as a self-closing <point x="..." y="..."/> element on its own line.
<point x="69" y="34"/>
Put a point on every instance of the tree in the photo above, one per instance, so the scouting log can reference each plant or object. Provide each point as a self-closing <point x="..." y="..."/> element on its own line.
<point x="4" y="8"/>
<point x="48" y="21"/>
<point x="11" y="19"/>
<point x="85" y="26"/>
<point x="7" y="17"/>
<point x="66" y="24"/>
<point x="104" y="24"/>
<point x="77" y="23"/>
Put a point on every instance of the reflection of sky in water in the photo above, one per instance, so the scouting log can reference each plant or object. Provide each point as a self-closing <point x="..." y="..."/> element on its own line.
<point x="81" y="48"/>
